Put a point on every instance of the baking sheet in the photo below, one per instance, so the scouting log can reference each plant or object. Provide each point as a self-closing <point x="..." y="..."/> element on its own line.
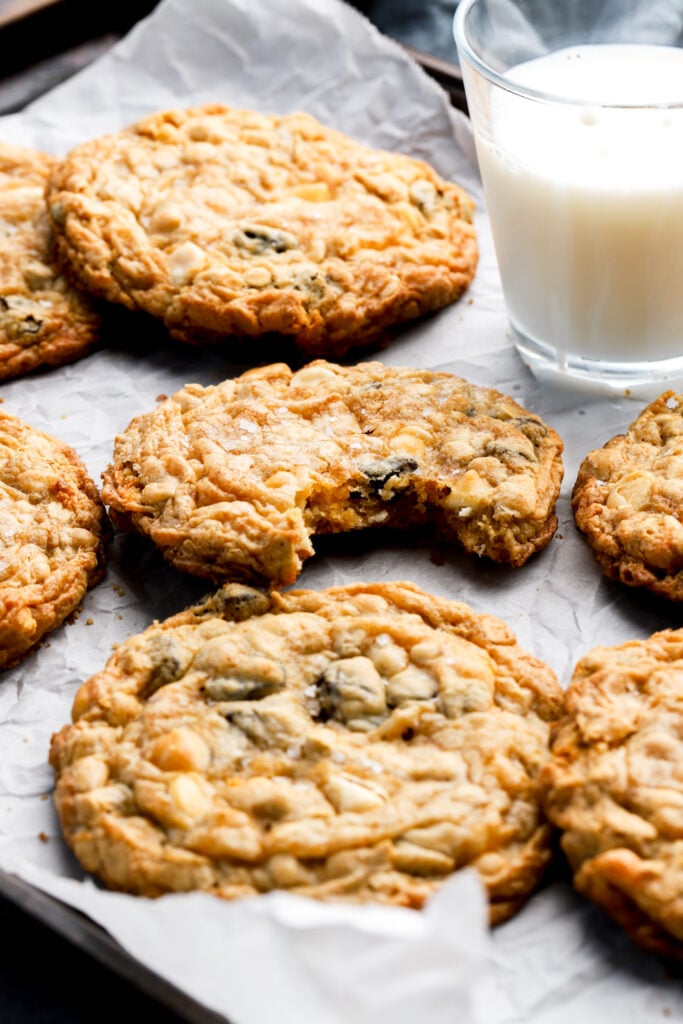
<point x="559" y="958"/>
<point x="88" y="937"/>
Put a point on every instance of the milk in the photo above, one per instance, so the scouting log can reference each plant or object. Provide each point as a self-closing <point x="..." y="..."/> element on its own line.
<point x="586" y="202"/>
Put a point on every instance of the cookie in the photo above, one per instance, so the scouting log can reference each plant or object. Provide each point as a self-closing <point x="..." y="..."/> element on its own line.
<point x="232" y="481"/>
<point x="44" y="320"/>
<point x="52" y="536"/>
<point x="628" y="500"/>
<point x="360" y="743"/>
<point x="615" y="786"/>
<point x="229" y="222"/>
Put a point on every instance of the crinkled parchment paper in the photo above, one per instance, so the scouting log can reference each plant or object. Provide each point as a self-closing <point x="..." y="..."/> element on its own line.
<point x="559" y="960"/>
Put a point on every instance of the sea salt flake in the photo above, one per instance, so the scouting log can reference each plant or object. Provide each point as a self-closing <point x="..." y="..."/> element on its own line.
<point x="247" y="425"/>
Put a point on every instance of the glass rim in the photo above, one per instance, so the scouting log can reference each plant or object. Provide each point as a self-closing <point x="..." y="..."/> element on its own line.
<point x="528" y="92"/>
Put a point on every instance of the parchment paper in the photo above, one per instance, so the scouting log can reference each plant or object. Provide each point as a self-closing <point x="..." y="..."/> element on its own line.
<point x="559" y="960"/>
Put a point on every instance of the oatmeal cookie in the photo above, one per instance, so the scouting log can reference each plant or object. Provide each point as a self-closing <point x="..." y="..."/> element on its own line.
<point x="52" y="536"/>
<point x="229" y="222"/>
<point x="628" y="500"/>
<point x="615" y="785"/>
<point x="358" y="743"/>
<point x="232" y="481"/>
<point x="44" y="320"/>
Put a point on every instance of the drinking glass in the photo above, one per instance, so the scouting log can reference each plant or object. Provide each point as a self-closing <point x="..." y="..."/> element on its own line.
<point x="577" y="112"/>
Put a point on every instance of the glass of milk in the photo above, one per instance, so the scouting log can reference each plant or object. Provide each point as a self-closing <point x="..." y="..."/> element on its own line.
<point x="577" y="111"/>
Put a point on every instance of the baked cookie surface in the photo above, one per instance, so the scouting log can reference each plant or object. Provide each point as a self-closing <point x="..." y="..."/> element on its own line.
<point x="232" y="481"/>
<point x="227" y="222"/>
<point x="357" y="743"/>
<point x="52" y="535"/>
<point x="44" y="319"/>
<point x="615" y="785"/>
<point x="628" y="500"/>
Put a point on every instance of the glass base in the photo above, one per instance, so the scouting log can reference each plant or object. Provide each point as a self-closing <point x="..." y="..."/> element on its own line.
<point x="600" y="376"/>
